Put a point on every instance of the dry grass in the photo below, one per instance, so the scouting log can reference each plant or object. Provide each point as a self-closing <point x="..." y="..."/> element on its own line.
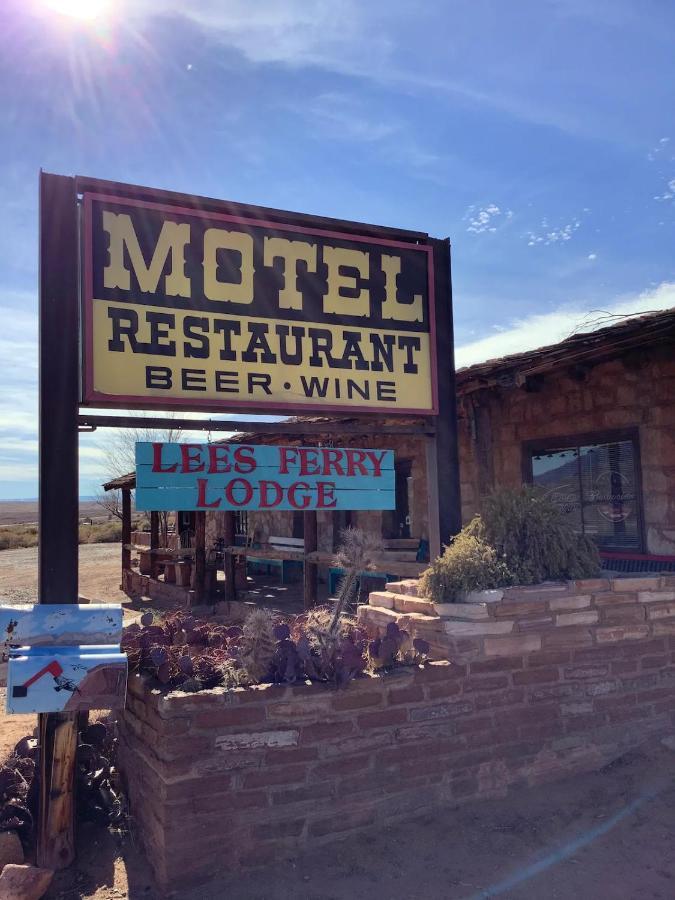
<point x="14" y="537"/>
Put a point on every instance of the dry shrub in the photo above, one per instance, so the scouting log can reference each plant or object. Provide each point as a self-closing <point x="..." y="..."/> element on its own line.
<point x="521" y="537"/>
<point x="468" y="564"/>
<point x="531" y="535"/>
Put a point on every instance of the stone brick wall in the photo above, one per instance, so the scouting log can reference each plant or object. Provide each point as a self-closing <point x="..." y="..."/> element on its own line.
<point x="638" y="393"/>
<point x="224" y="779"/>
<point x="134" y="584"/>
<point x="594" y="612"/>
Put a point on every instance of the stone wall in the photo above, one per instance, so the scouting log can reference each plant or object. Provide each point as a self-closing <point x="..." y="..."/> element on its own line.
<point x="225" y="779"/>
<point x="595" y="612"/>
<point x="636" y="393"/>
<point x="134" y="584"/>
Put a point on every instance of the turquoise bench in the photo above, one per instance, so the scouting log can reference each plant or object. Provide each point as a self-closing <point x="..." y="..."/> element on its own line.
<point x="257" y="563"/>
<point x="335" y="574"/>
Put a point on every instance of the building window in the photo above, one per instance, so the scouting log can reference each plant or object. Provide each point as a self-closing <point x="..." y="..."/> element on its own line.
<point x="595" y="482"/>
<point x="240" y="523"/>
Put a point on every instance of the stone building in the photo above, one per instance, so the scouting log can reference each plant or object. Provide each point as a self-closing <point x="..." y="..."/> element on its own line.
<point x="591" y="420"/>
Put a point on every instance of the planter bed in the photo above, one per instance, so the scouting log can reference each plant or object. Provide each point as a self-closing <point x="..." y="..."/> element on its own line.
<point x="223" y="779"/>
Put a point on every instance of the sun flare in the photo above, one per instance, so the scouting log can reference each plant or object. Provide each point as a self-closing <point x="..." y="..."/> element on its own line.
<point x="79" y="9"/>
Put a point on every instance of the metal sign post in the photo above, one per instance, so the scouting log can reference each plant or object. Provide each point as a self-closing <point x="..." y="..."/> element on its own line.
<point x="59" y="493"/>
<point x="445" y="481"/>
<point x="176" y="302"/>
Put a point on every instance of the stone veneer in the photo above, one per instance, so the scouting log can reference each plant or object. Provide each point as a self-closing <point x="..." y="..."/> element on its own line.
<point x="135" y="584"/>
<point x="549" y="616"/>
<point x="633" y="391"/>
<point x="231" y="778"/>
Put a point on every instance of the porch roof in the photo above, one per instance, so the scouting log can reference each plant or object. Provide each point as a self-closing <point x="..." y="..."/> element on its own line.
<point x="124" y="481"/>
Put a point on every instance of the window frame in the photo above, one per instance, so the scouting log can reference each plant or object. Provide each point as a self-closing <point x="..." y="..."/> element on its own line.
<point x="544" y="445"/>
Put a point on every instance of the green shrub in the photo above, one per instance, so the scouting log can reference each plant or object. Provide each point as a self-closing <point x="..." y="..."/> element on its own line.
<point x="530" y="534"/>
<point x="469" y="563"/>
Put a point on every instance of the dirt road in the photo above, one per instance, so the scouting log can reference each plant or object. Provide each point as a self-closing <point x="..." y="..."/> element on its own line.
<point x="99" y="574"/>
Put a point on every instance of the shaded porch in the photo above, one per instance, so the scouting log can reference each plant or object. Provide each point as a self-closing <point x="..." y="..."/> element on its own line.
<point x="184" y="567"/>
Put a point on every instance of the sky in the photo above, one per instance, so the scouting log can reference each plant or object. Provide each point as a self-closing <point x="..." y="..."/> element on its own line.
<point x="539" y="135"/>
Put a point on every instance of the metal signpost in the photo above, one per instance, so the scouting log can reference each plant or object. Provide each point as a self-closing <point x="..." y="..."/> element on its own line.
<point x="163" y="301"/>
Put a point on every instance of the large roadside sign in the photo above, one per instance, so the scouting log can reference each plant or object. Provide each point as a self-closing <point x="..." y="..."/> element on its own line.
<point x="184" y="308"/>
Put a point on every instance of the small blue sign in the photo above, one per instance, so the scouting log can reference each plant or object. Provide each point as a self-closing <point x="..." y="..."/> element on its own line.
<point x="63" y="657"/>
<point x="172" y="476"/>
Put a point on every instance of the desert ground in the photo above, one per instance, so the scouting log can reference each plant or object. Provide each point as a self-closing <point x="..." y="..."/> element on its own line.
<point x="99" y="574"/>
<point x="602" y="836"/>
<point x="25" y="512"/>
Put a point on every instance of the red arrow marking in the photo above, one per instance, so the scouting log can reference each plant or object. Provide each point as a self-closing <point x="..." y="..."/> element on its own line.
<point x="53" y="668"/>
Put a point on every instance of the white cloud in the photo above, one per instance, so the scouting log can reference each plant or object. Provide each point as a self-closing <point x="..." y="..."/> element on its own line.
<point x="327" y="33"/>
<point x="549" y="328"/>
<point x="669" y="193"/>
<point x="344" y="117"/>
<point x="592" y="256"/>
<point x="349" y="118"/>
<point x="351" y="38"/>
<point x="547" y="235"/>
<point x="655" y="152"/>
<point x="486" y="218"/>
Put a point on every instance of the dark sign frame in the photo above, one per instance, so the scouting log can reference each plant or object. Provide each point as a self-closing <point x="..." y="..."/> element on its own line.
<point x="260" y="218"/>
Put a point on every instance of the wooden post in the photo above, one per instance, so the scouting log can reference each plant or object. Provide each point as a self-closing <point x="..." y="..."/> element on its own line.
<point x="228" y="559"/>
<point x="200" y="553"/>
<point x="310" y="570"/>
<point x="59" y="493"/>
<point x="154" y="542"/>
<point x="126" y="530"/>
<point x="446" y="483"/>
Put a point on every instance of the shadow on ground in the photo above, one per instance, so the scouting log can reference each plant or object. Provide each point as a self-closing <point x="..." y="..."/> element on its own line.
<point x="606" y="834"/>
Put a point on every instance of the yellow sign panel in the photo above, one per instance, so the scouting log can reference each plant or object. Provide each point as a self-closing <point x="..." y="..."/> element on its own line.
<point x="187" y="309"/>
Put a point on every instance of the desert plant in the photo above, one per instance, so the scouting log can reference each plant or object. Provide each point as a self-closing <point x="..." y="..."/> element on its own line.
<point x="396" y="647"/>
<point x="469" y="563"/>
<point x="258" y="644"/>
<point x="184" y="653"/>
<point x="355" y="554"/>
<point x="98" y="791"/>
<point x="530" y="534"/>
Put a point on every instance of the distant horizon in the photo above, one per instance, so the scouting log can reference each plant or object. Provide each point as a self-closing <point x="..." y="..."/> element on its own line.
<point x="88" y="499"/>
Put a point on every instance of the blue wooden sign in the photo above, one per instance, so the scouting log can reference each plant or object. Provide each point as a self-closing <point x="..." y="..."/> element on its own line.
<point x="172" y="476"/>
<point x="63" y="657"/>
